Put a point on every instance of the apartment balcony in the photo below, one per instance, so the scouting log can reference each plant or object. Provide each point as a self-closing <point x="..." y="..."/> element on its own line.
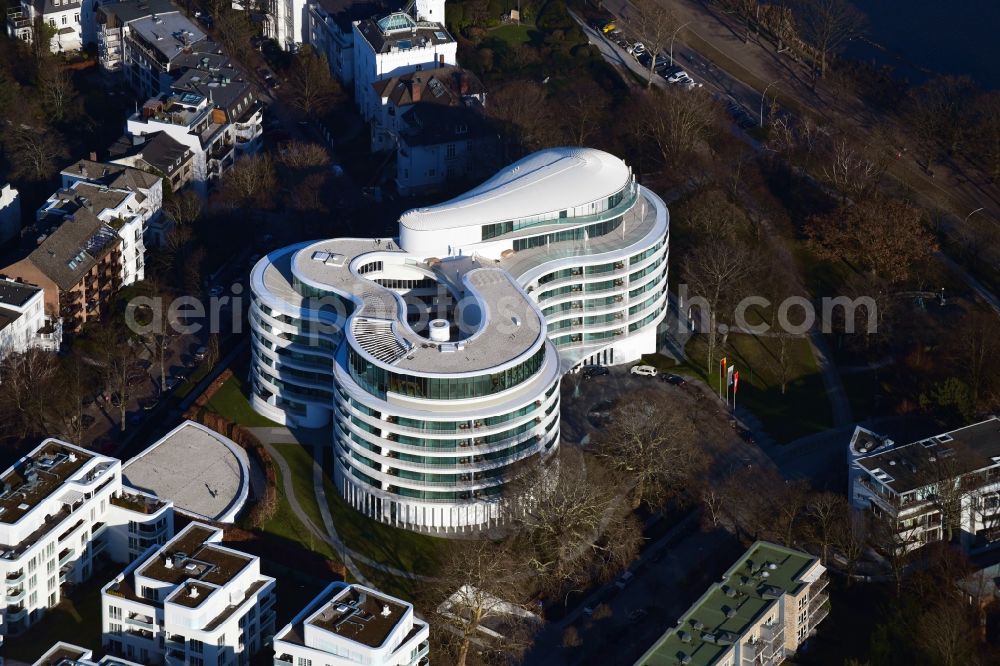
<point x="178" y="643"/>
<point x="283" y="660"/>
<point x="15" y="596"/>
<point x="18" y="20"/>
<point x="65" y="555"/>
<point x="15" y="613"/>
<point x="818" y="617"/>
<point x="816" y="602"/>
<point x="15" y="578"/>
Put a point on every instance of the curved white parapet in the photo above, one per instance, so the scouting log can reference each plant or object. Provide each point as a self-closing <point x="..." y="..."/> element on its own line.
<point x="438" y="356"/>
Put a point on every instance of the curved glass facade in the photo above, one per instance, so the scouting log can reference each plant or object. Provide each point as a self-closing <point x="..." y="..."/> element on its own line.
<point x="378" y="381"/>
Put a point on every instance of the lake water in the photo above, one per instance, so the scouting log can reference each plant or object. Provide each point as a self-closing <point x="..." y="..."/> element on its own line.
<point x="923" y="37"/>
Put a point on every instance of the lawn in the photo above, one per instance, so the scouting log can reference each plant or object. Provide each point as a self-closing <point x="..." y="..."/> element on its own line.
<point x="803" y="409"/>
<point x="188" y="385"/>
<point x="513" y="34"/>
<point x="232" y="401"/>
<point x="402" y="549"/>
<point x="76" y="620"/>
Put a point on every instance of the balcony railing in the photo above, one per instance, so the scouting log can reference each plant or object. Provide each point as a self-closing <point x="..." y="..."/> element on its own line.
<point x="15" y="578"/>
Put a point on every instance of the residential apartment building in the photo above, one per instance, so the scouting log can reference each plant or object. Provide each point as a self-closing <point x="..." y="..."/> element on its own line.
<point x="10" y="213"/>
<point x="111" y="24"/>
<point x="61" y="17"/>
<point x="228" y="91"/>
<point x="61" y="507"/>
<point x="78" y="265"/>
<point x="438" y="355"/>
<point x="285" y="22"/>
<point x="142" y="210"/>
<point x="433" y="120"/>
<point x="331" y="32"/>
<point x="67" y="654"/>
<point x="353" y="624"/>
<point x="767" y="605"/>
<point x="394" y="45"/>
<point x="193" y="121"/>
<point x="191" y="602"/>
<point x="939" y="488"/>
<point x="156" y="153"/>
<point x="23" y="323"/>
<point x="154" y="49"/>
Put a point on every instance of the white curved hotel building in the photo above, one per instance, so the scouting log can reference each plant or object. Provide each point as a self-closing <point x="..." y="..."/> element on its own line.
<point x="438" y="355"/>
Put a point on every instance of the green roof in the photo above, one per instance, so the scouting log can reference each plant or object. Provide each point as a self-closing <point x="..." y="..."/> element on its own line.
<point x="727" y="609"/>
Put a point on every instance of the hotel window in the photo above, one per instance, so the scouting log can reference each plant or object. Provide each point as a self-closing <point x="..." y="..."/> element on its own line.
<point x="76" y="17"/>
<point x="450" y="150"/>
<point x="64" y="20"/>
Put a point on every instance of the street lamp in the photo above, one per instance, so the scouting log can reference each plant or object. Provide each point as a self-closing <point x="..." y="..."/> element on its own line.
<point x="762" y="97"/>
<point x="973" y="213"/>
<point x="679" y="28"/>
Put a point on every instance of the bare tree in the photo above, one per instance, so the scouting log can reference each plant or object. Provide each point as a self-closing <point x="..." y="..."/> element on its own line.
<point x="524" y="114"/>
<point x="586" y="109"/>
<point x="481" y="584"/>
<point x="313" y="89"/>
<point x="235" y="30"/>
<point x="855" y="171"/>
<point x="717" y="271"/>
<point x="946" y="634"/>
<point x="677" y="121"/>
<point x="116" y="358"/>
<point x="25" y="391"/>
<point x="654" y="447"/>
<point x="55" y="87"/>
<point x="251" y="183"/>
<point x="184" y="208"/>
<point x="655" y="26"/>
<point x="574" y="527"/>
<point x="33" y="153"/>
<point x="302" y="155"/>
<point x="977" y="347"/>
<point x="827" y="25"/>
<point x="825" y="512"/>
<point x="850" y="539"/>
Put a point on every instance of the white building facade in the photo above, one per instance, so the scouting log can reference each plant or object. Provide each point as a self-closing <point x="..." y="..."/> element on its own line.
<point x="62" y="18"/>
<point x="941" y="487"/>
<point x="23" y="323"/>
<point x="353" y="624"/>
<point x="438" y="357"/>
<point x="62" y="506"/>
<point x="189" y="119"/>
<point x="10" y="213"/>
<point x="394" y="45"/>
<point x="192" y="601"/>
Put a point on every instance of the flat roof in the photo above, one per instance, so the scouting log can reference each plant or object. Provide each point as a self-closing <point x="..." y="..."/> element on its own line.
<point x="543" y="182"/>
<point x="399" y="32"/>
<point x="724" y="613"/>
<point x="37" y="475"/>
<point x="191" y="559"/>
<point x="360" y="615"/>
<point x="509" y="327"/>
<point x="921" y="463"/>
<point x="169" y="33"/>
<point x="204" y="473"/>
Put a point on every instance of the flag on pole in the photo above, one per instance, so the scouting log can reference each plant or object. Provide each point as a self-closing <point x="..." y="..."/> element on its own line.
<point x="729" y="375"/>
<point x="736" y="382"/>
<point x="722" y="374"/>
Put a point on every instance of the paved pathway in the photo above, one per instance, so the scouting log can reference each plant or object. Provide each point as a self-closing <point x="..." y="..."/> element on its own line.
<point x="278" y="435"/>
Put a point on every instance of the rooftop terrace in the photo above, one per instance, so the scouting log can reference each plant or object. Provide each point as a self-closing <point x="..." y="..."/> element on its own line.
<point x="187" y="558"/>
<point x="728" y="609"/>
<point x="359" y="615"/>
<point x="31" y="480"/>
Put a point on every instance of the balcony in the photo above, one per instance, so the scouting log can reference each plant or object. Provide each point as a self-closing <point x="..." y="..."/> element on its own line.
<point x="283" y="660"/>
<point x="17" y="20"/>
<point x="15" y="578"/>
<point x="15" y="596"/>
<point x="65" y="556"/>
<point x="15" y="613"/>
<point x="140" y="620"/>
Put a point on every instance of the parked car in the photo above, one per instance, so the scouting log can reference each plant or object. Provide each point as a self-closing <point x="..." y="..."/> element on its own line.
<point x="676" y="380"/>
<point x="645" y="59"/>
<point x="624" y="580"/>
<point x="678" y="76"/>
<point x="608" y="27"/>
<point x="660" y="62"/>
<point x="644" y="370"/>
<point x="200" y="352"/>
<point x="667" y="72"/>
<point x="594" y="371"/>
<point x="638" y="49"/>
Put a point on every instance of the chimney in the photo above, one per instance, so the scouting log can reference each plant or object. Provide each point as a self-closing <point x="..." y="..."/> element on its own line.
<point x="386" y="611"/>
<point x="169" y="562"/>
<point x="463" y="84"/>
<point x="416" y="88"/>
<point x="193" y="592"/>
<point x="93" y="156"/>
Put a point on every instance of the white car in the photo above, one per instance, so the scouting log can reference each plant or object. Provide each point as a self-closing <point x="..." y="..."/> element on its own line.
<point x="644" y="370"/>
<point x="677" y="77"/>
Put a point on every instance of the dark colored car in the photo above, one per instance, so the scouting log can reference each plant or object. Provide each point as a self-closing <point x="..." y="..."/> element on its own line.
<point x="676" y="380"/>
<point x="594" y="371"/>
